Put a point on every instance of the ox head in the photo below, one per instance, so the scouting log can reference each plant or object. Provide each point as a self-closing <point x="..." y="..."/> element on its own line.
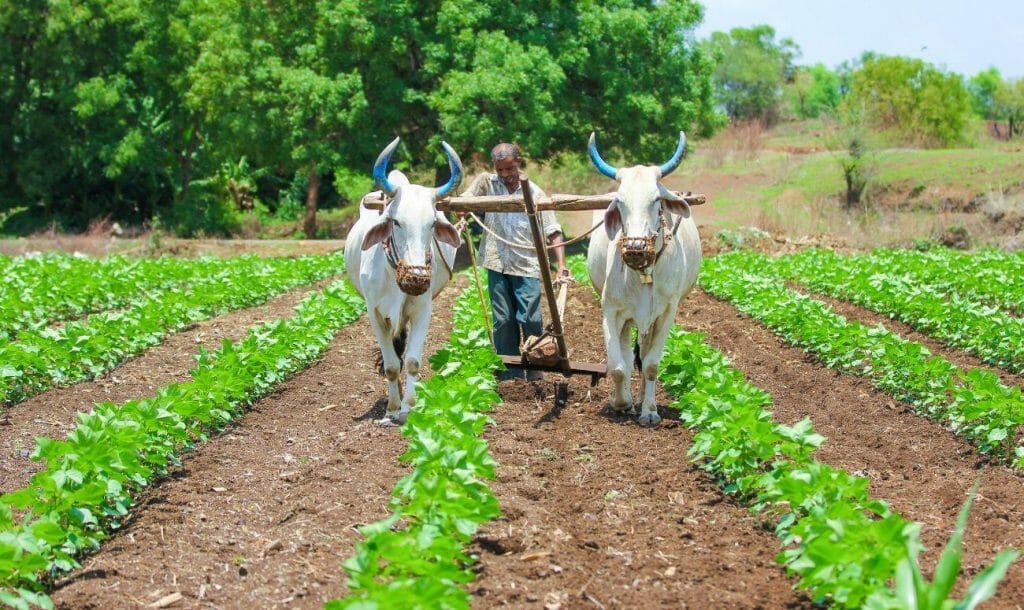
<point x="410" y="221"/>
<point x="639" y="205"/>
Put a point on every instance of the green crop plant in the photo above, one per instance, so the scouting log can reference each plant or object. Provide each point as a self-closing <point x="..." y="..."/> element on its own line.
<point x="973" y="402"/>
<point x="90" y="478"/>
<point x="416" y="557"/>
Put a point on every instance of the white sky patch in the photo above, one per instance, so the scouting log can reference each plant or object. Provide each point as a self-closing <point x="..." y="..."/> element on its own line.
<point x="962" y="36"/>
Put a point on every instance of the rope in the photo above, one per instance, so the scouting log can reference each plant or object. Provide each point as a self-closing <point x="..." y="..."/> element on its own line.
<point x="476" y="276"/>
<point x="531" y="246"/>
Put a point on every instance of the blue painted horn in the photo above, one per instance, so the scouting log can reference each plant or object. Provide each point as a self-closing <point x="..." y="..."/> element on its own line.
<point x="598" y="162"/>
<point x="667" y="167"/>
<point x="380" y="169"/>
<point x="455" y="165"/>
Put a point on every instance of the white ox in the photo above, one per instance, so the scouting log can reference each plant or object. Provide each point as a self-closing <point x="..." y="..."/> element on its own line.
<point x="642" y="264"/>
<point x="390" y="257"/>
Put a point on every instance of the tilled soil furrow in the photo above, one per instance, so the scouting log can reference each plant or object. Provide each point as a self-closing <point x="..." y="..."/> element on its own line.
<point x="263" y="516"/>
<point x="599" y="512"/>
<point x="52" y="413"/>
<point x="955" y="355"/>
<point x="920" y="468"/>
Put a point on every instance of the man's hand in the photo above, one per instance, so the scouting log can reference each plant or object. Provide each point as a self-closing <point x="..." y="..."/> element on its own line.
<point x="564" y="277"/>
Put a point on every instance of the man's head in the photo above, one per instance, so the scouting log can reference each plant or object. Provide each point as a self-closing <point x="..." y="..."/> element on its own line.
<point x="507" y="161"/>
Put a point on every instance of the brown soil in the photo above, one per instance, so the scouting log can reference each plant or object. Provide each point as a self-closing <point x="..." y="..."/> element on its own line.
<point x="917" y="466"/>
<point x="599" y="512"/>
<point x="52" y="413"/>
<point x="263" y="516"/>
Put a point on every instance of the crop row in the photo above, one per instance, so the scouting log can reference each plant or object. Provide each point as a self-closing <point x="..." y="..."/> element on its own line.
<point x="76" y="287"/>
<point x="844" y="546"/>
<point x="974" y="402"/>
<point x="23" y="272"/>
<point x="90" y="477"/>
<point x="986" y="332"/>
<point x="989" y="277"/>
<point x="416" y="557"/>
<point x="82" y="349"/>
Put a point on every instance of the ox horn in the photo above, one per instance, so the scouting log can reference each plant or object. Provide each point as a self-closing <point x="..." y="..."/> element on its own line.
<point x="667" y="167"/>
<point x="380" y="169"/>
<point x="455" y="165"/>
<point x="599" y="163"/>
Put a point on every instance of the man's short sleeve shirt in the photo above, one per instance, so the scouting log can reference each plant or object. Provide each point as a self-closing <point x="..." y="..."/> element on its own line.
<point x="514" y="227"/>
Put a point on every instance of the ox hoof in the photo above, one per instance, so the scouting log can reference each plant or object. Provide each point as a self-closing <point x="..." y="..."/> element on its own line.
<point x="393" y="419"/>
<point x="649" y="419"/>
<point x="622" y="408"/>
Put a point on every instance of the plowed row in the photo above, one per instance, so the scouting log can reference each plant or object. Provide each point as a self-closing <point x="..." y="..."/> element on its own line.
<point x="598" y="512"/>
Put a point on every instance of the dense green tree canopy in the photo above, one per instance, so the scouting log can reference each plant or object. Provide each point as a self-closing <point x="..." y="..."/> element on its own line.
<point x="813" y="91"/>
<point x="912" y="98"/>
<point x="134" y="107"/>
<point x="751" y="69"/>
<point x="982" y="87"/>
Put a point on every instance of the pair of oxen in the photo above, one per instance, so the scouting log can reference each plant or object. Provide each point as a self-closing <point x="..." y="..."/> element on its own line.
<point x="642" y="264"/>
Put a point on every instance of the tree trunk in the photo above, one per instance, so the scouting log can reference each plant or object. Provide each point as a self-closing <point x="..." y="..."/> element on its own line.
<point x="312" y="192"/>
<point x="185" y="161"/>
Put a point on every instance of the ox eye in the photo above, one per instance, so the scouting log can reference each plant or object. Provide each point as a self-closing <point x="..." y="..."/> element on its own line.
<point x="397" y="224"/>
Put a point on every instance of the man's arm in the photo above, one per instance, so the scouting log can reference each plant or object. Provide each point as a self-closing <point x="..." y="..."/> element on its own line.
<point x="556" y="240"/>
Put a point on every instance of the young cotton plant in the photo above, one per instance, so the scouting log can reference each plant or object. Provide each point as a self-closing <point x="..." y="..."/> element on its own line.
<point x="416" y="558"/>
<point x="90" y="477"/>
<point x="843" y="545"/>
<point x="973" y="402"/>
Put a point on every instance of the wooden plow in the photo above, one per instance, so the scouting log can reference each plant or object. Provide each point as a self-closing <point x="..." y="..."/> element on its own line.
<point x="556" y="301"/>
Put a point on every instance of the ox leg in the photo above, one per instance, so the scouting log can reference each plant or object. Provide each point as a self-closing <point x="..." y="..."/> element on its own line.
<point x="620" y="363"/>
<point x="413" y="356"/>
<point x="651" y="349"/>
<point x="392" y="365"/>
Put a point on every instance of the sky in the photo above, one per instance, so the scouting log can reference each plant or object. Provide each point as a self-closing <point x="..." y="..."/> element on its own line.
<point x="961" y="36"/>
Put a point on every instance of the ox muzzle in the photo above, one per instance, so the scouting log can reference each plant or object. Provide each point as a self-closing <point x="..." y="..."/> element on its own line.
<point x="638" y="252"/>
<point x="413" y="280"/>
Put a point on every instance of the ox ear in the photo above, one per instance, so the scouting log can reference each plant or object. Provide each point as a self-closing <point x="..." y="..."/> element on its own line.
<point x="612" y="219"/>
<point x="672" y="202"/>
<point x="444" y="231"/>
<point x="377" y="233"/>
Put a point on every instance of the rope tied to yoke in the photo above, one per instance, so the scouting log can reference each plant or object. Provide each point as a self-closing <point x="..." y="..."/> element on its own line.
<point x="521" y="246"/>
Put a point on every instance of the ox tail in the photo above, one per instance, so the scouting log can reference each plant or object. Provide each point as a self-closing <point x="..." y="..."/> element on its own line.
<point x="399" y="344"/>
<point x="638" y="364"/>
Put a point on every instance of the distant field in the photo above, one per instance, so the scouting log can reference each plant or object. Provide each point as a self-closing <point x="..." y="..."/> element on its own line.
<point x="787" y="180"/>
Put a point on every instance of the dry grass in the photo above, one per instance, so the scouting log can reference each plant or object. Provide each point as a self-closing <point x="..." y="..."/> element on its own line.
<point x="739" y="142"/>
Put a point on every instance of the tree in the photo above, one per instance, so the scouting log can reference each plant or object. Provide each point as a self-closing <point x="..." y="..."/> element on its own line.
<point x="1009" y="104"/>
<point x="982" y="88"/>
<point x="751" y="69"/>
<point x="911" y="98"/>
<point x="134" y="107"/>
<point x="813" y="91"/>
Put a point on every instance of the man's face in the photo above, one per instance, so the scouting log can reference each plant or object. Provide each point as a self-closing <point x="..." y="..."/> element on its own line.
<point x="508" y="170"/>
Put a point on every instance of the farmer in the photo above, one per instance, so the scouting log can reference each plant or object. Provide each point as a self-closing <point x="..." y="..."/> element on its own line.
<point x="513" y="272"/>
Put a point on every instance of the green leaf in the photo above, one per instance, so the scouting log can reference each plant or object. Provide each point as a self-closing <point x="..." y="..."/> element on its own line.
<point x="984" y="584"/>
<point x="948" y="567"/>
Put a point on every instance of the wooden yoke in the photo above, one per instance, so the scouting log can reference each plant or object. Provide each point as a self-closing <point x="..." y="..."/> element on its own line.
<point x="514" y="203"/>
